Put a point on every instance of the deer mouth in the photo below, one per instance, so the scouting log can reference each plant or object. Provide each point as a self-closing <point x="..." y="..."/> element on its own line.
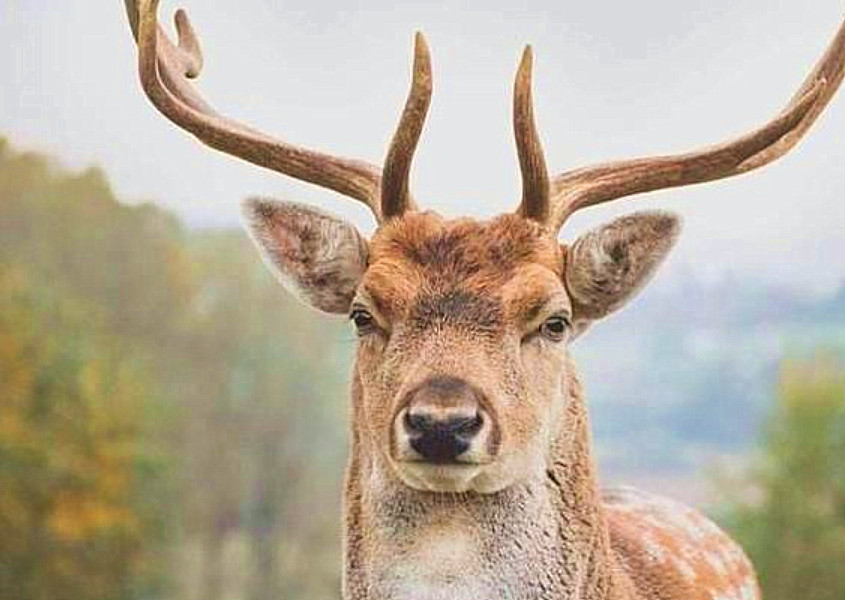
<point x="434" y="477"/>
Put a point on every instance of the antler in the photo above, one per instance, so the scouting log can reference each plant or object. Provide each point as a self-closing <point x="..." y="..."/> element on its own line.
<point x="535" y="177"/>
<point x="165" y="69"/>
<point x="580" y="188"/>
<point x="395" y="197"/>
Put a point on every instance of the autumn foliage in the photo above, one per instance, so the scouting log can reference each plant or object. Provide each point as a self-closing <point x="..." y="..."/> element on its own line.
<point x="158" y="405"/>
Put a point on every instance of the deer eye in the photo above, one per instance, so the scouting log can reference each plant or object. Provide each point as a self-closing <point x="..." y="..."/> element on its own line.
<point x="554" y="328"/>
<point x="363" y="320"/>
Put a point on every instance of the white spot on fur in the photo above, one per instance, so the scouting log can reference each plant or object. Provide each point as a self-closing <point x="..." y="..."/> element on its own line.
<point x="654" y="548"/>
<point x="684" y="568"/>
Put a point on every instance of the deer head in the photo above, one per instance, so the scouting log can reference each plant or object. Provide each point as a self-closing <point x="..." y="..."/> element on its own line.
<point x="462" y="367"/>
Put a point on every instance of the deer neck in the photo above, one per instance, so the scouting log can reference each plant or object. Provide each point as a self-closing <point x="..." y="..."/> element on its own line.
<point x="543" y="539"/>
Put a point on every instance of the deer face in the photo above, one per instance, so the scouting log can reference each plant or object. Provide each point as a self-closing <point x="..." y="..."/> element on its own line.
<point x="458" y="382"/>
<point x="463" y="327"/>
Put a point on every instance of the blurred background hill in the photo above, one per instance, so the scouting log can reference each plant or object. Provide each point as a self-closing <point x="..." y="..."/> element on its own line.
<point x="172" y="424"/>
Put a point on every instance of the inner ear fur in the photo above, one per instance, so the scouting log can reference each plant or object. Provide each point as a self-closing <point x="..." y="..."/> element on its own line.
<point x="607" y="266"/>
<point x="318" y="257"/>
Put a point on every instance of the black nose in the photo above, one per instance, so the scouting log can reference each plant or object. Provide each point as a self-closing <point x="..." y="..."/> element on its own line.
<point x="441" y="440"/>
<point x="442" y="419"/>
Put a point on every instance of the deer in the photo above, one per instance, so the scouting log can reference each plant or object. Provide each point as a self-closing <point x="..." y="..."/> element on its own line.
<point x="471" y="472"/>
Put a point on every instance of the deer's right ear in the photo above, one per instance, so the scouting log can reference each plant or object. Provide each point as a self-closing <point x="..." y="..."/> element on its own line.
<point x="316" y="256"/>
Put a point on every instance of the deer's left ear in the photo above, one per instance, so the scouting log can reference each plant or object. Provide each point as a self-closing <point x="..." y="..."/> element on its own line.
<point x="316" y="256"/>
<point x="607" y="266"/>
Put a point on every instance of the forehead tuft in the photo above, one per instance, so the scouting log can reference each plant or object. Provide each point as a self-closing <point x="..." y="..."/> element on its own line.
<point x="464" y="248"/>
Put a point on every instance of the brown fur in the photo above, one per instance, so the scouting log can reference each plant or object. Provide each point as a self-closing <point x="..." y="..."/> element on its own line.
<point x="525" y="520"/>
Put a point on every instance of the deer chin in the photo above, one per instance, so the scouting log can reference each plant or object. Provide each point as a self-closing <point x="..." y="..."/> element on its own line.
<point x="453" y="478"/>
<point x="456" y="478"/>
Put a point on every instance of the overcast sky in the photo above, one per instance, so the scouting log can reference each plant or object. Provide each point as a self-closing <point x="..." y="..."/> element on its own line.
<point x="613" y="79"/>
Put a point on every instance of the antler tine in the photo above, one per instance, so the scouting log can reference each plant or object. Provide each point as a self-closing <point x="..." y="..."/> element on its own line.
<point x="830" y="69"/>
<point x="164" y="70"/>
<point x="175" y="63"/>
<point x="532" y="164"/>
<point x="580" y="188"/>
<point x="395" y="195"/>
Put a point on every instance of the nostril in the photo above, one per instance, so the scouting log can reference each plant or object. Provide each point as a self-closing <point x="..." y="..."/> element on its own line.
<point x="417" y="423"/>
<point x="467" y="426"/>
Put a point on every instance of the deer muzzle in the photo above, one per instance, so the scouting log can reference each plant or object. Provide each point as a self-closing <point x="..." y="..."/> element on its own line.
<point x="445" y="421"/>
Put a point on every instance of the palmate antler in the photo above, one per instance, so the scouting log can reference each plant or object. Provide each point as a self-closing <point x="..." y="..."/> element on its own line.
<point x="552" y="202"/>
<point x="165" y="69"/>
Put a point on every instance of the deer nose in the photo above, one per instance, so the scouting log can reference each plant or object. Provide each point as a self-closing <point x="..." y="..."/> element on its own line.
<point x="443" y="417"/>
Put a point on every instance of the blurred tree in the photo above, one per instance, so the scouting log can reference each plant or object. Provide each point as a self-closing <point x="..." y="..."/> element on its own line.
<point x="160" y="402"/>
<point x="83" y="491"/>
<point x="70" y="453"/>
<point x="789" y="513"/>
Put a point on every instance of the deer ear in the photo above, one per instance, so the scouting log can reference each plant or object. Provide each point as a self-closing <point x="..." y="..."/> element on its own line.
<point x="607" y="266"/>
<point x="316" y="256"/>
